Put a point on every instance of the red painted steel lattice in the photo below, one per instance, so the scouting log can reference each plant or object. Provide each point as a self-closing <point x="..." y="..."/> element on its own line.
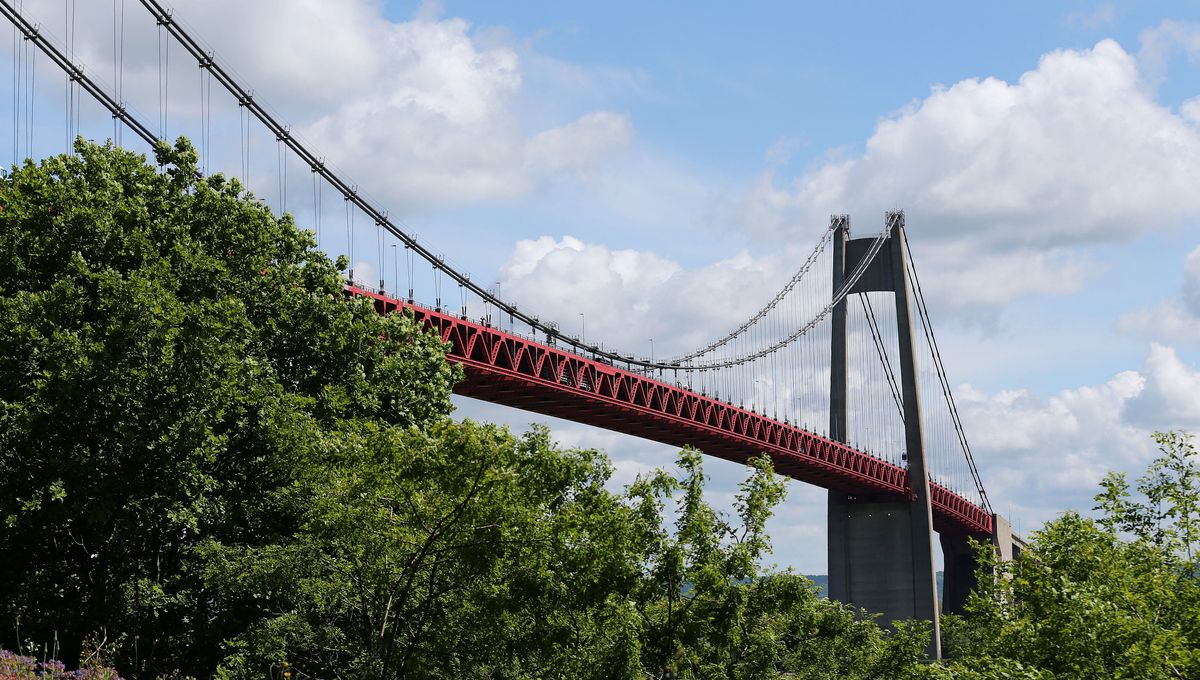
<point x="516" y="371"/>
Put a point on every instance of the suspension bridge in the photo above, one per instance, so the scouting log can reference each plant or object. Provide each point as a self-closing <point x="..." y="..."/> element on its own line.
<point x="838" y="377"/>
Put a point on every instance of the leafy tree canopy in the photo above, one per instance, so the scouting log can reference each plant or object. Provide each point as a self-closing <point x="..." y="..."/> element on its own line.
<point x="173" y="357"/>
<point x="1113" y="597"/>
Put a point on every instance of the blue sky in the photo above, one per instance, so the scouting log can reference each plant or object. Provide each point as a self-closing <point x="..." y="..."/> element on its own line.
<point x="723" y="86"/>
<point x="1046" y="154"/>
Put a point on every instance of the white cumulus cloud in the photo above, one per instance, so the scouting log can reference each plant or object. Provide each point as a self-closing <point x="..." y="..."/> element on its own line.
<point x="1164" y="40"/>
<point x="1008" y="179"/>
<point x="629" y="296"/>
<point x="1039" y="456"/>
<point x="422" y="113"/>
<point x="439" y="124"/>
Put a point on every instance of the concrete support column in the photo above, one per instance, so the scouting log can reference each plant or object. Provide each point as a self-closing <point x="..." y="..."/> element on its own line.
<point x="837" y="344"/>
<point x="1007" y="544"/>
<point x="961" y="571"/>
<point x="839" y="559"/>
<point x="871" y="552"/>
<point x="925" y="601"/>
<point x="958" y="574"/>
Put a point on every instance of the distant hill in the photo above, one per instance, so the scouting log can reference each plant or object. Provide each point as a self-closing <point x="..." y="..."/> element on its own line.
<point x="822" y="581"/>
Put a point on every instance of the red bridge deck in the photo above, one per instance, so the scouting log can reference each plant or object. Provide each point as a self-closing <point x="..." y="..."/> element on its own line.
<point x="515" y="371"/>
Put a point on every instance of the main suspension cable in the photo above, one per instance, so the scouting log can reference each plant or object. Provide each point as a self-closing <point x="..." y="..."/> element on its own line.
<point x="847" y="286"/>
<point x="350" y="194"/>
<point x="787" y="288"/>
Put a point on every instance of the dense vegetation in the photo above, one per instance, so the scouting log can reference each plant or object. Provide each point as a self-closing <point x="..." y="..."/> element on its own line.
<point x="1117" y="597"/>
<point x="212" y="463"/>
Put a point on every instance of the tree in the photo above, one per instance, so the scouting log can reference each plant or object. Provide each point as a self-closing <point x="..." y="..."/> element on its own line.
<point x="1112" y="597"/>
<point x="708" y="608"/>
<point x="171" y="357"/>
<point x="461" y="551"/>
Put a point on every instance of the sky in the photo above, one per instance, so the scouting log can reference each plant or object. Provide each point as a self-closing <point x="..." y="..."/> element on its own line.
<point x="600" y="158"/>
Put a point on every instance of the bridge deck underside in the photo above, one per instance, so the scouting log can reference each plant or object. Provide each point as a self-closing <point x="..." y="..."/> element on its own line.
<point x="515" y="371"/>
<point x="530" y="395"/>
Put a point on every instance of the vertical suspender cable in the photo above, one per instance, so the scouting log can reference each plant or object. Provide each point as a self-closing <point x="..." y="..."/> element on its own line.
<point x="120" y="84"/>
<point x="242" y="144"/>
<point x="408" y="256"/>
<point x="203" y="117"/>
<point x="350" y="237"/>
<point x="316" y="211"/>
<point x="437" y="288"/>
<point x="279" y="174"/>
<point x="867" y="396"/>
<point x="116" y="123"/>
<point x="246" y="146"/>
<point x="317" y="186"/>
<point x="160" y="80"/>
<point x="379" y="256"/>
<point x="73" y="109"/>
<point x="67" y="78"/>
<point x="76" y="95"/>
<point x="16" y="92"/>
<point x="207" y="115"/>
<point x="787" y="367"/>
<point x="31" y="81"/>
<point x="166" y="84"/>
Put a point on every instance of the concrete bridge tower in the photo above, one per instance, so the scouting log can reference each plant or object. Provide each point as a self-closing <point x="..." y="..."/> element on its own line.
<point x="881" y="548"/>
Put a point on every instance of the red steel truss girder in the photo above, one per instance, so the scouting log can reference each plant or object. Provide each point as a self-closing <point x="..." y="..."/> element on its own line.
<point x="515" y="371"/>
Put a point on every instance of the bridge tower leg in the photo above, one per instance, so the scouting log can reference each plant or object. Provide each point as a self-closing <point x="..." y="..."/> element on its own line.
<point x="881" y="549"/>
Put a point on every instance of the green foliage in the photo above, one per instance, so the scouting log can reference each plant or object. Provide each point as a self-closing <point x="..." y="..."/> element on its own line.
<point x="470" y="553"/>
<point x="708" y="609"/>
<point x="172" y="357"/>
<point x="443" y="553"/>
<point x="1114" y="597"/>
<point x="982" y="668"/>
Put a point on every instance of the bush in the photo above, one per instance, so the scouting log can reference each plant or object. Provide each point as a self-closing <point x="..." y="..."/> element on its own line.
<point x="17" y="667"/>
